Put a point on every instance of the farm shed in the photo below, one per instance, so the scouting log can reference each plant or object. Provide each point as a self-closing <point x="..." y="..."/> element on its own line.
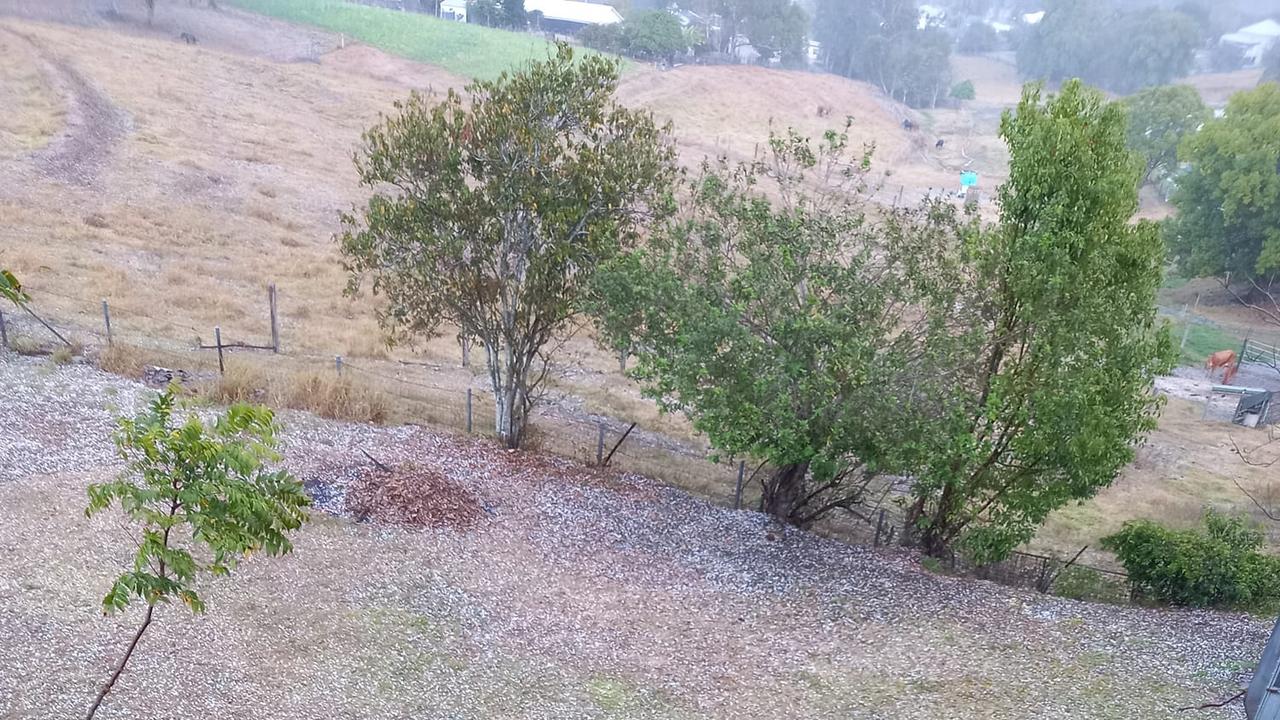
<point x="570" y="16"/>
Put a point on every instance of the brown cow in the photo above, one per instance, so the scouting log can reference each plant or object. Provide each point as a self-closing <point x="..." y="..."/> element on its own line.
<point x="1225" y="359"/>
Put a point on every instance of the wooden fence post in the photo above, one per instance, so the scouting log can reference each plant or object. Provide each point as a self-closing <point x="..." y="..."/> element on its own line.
<point x="337" y="364"/>
<point x="468" y="411"/>
<point x="617" y="445"/>
<point x="737" y="491"/>
<point x="1186" y="327"/>
<point x="275" y="321"/>
<point x="1244" y="347"/>
<point x="217" y="340"/>
<point x="4" y="333"/>
<point x="106" y="319"/>
<point x="600" y="445"/>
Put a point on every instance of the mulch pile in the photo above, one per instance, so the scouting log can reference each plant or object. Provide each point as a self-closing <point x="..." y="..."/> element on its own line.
<point x="412" y="495"/>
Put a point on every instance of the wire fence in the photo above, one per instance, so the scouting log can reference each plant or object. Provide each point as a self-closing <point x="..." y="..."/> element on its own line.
<point x="422" y="397"/>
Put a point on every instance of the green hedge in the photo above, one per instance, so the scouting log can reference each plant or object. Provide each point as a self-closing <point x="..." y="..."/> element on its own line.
<point x="1219" y="565"/>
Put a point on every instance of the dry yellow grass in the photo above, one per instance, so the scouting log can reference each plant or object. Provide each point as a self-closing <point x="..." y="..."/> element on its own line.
<point x="1186" y="466"/>
<point x="33" y="112"/>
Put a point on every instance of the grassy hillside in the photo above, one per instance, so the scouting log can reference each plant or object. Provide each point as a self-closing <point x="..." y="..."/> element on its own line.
<point x="469" y="50"/>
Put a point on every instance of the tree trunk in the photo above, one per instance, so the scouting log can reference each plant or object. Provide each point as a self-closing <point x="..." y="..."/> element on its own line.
<point x="146" y="622"/>
<point x="784" y="491"/>
<point x="151" y="10"/>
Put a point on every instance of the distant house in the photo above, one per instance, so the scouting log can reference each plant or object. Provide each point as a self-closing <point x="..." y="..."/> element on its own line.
<point x="570" y="16"/>
<point x="453" y="10"/>
<point x="1033" y="18"/>
<point x="1254" y="40"/>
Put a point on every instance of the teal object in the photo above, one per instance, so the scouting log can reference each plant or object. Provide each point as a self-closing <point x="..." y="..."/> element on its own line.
<point x="968" y="179"/>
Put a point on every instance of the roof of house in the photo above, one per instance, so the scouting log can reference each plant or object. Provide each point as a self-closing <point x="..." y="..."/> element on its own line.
<point x="574" y="11"/>
<point x="1260" y="32"/>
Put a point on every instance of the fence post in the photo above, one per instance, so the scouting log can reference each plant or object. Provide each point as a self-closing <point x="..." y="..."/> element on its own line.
<point x="275" y="322"/>
<point x="1186" y="328"/>
<point x="106" y="319"/>
<point x="468" y="411"/>
<point x="1244" y="347"/>
<point x="600" y="445"/>
<point x="737" y="492"/>
<point x="337" y="364"/>
<point x="217" y="340"/>
<point x="4" y="333"/>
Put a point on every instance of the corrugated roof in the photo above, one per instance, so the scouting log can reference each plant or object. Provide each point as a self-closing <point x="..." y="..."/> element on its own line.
<point x="573" y="11"/>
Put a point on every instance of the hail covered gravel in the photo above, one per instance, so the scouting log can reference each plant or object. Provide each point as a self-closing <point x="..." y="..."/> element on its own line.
<point x="571" y="593"/>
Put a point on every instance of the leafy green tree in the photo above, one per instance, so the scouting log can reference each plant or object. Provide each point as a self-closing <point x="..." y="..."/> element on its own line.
<point x="1095" y="41"/>
<point x="605" y="38"/>
<point x="772" y="26"/>
<point x="1057" y="390"/>
<point x="770" y="311"/>
<point x="492" y="213"/>
<point x="881" y="42"/>
<point x="963" y="91"/>
<point x="512" y="14"/>
<point x="979" y="37"/>
<point x="1159" y="118"/>
<point x="1228" y="201"/>
<point x="484" y="12"/>
<point x="653" y="34"/>
<point x="201" y="498"/>
<point x="10" y="288"/>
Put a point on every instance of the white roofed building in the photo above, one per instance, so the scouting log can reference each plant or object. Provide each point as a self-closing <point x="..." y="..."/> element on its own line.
<point x="1254" y="40"/>
<point x="570" y="16"/>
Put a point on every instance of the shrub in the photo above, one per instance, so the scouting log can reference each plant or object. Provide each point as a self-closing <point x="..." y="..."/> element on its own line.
<point x="963" y="91"/>
<point x="1218" y="566"/>
<point x="1084" y="583"/>
<point x="337" y="398"/>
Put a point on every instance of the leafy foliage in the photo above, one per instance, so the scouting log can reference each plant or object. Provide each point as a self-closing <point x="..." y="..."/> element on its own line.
<point x="880" y="41"/>
<point x="649" y="34"/>
<point x="1119" y="50"/>
<point x="202" y="499"/>
<point x="774" y="27"/>
<point x="10" y="288"/>
<point x="1229" y="199"/>
<point x="1220" y="565"/>
<point x="208" y="481"/>
<point x="777" y="327"/>
<point x="1159" y="118"/>
<point x="492" y="213"/>
<point x="1049" y="406"/>
<point x="654" y="34"/>
<point x="963" y="90"/>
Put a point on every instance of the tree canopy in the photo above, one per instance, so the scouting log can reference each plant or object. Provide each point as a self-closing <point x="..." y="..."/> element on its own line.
<point x="491" y="213"/>
<point x="1159" y="118"/>
<point x="1049" y="407"/>
<point x="1228" y="201"/>
<point x="772" y="26"/>
<point x="770" y="313"/>
<point x="653" y="34"/>
<point x="881" y="42"/>
<point x="1116" y="49"/>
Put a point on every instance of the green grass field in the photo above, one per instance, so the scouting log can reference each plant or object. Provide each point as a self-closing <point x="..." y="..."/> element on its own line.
<point x="1202" y="339"/>
<point x="469" y="50"/>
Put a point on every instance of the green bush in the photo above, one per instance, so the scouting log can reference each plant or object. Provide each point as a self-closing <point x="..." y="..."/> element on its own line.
<point x="963" y="91"/>
<point x="979" y="37"/>
<point x="1218" y="566"/>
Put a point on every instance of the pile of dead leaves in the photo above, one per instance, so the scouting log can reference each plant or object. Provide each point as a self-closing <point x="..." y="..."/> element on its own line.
<point x="412" y="495"/>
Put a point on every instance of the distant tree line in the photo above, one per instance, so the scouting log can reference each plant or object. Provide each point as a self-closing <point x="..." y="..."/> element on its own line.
<point x="1097" y="41"/>
<point x="881" y="42"/>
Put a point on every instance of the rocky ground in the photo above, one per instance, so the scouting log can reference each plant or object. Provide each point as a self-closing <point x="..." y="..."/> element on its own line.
<point x="575" y="594"/>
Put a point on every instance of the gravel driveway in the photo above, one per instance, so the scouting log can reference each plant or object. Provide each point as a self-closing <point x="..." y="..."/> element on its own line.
<point x="579" y="595"/>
